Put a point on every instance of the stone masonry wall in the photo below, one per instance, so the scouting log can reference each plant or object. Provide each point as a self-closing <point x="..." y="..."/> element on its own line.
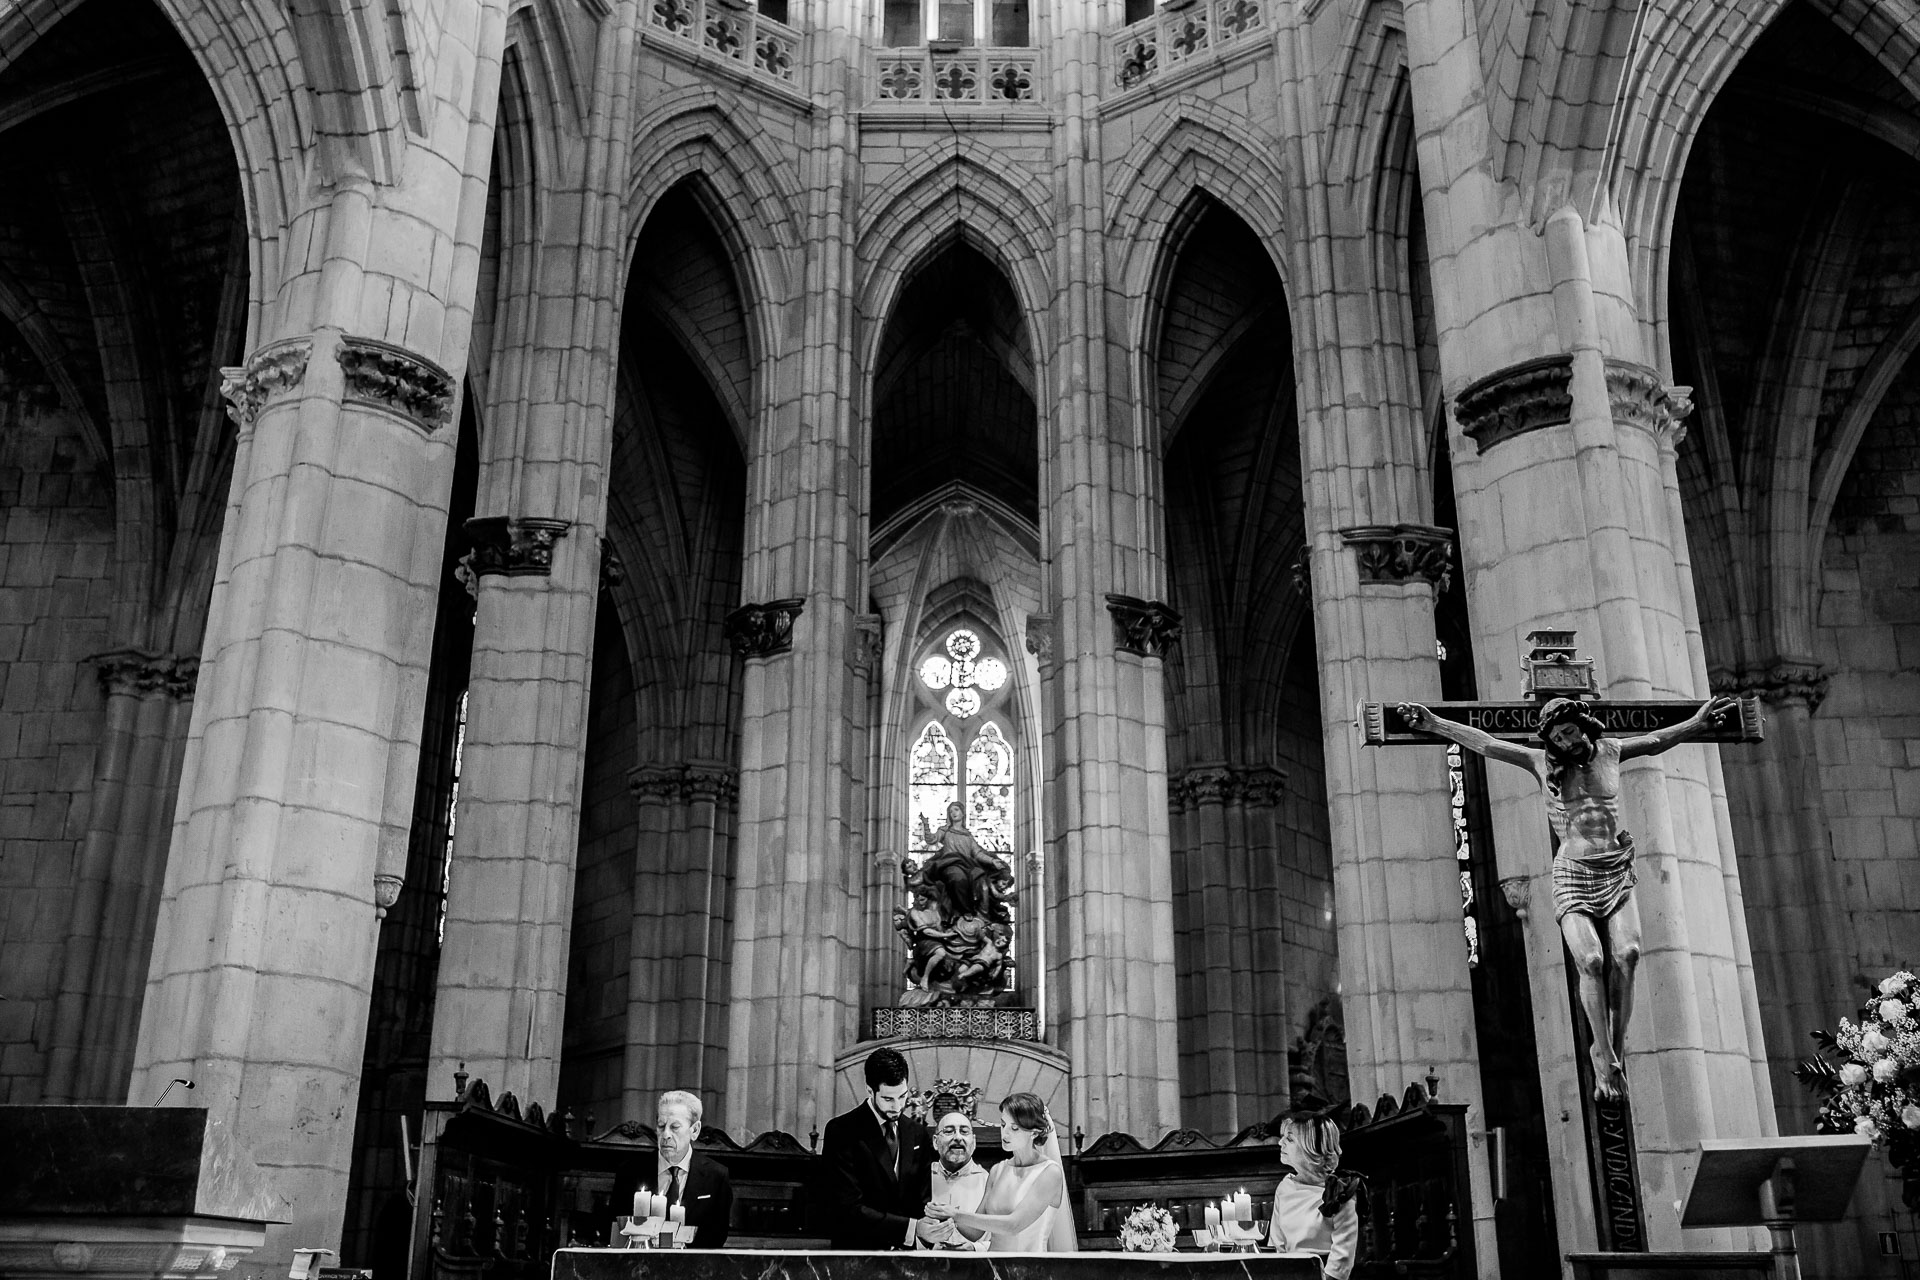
<point x="56" y="541"/>
<point x="590" y="1073"/>
<point x="1868" y="729"/>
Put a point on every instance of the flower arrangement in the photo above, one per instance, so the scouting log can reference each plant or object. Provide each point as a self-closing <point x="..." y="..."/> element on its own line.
<point x="1869" y="1073"/>
<point x="1148" y="1229"/>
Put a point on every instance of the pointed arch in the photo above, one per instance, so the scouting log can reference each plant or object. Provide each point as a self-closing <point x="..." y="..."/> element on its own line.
<point x="694" y="141"/>
<point x="1195" y="146"/>
<point x="756" y="197"/>
<point x="968" y="192"/>
<point x="1373" y="59"/>
<point x="1683" y="60"/>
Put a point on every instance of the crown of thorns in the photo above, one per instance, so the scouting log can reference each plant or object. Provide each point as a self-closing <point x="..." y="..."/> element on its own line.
<point x="1569" y="711"/>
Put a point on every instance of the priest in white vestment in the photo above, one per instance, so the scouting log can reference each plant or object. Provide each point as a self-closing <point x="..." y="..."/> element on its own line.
<point x="957" y="1181"/>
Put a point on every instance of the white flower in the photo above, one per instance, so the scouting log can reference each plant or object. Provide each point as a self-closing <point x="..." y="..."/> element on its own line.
<point x="1873" y="1040"/>
<point x="1892" y="1011"/>
<point x="1896" y="985"/>
<point x="1867" y="1129"/>
<point x="1853" y="1074"/>
<point x="1884" y="1070"/>
<point x="1910" y="1116"/>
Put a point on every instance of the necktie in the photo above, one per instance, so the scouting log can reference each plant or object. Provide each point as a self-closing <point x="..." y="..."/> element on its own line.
<point x="673" y="1190"/>
<point x="893" y="1149"/>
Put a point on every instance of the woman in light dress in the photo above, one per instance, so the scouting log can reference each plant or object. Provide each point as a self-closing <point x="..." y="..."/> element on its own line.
<point x="1313" y="1207"/>
<point x="1024" y="1208"/>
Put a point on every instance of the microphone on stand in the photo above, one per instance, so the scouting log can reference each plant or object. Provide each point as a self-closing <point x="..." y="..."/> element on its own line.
<point x="169" y="1089"/>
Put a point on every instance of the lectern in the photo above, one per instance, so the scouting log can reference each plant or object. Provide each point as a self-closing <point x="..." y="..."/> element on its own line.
<point x="1774" y="1183"/>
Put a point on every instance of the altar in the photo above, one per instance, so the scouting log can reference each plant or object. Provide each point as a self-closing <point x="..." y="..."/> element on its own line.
<point x="767" y="1264"/>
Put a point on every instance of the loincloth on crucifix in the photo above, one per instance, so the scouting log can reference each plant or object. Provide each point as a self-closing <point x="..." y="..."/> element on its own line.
<point x="1593" y="884"/>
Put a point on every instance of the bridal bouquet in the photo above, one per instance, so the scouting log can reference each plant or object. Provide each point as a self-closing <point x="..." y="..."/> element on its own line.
<point x="1148" y="1229"/>
<point x="1869" y="1072"/>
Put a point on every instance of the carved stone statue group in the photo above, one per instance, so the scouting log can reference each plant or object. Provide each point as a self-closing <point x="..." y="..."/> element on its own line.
<point x="958" y="922"/>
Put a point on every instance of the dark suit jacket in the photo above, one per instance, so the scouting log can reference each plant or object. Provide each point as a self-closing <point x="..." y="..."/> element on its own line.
<point x="865" y="1202"/>
<point x="708" y="1197"/>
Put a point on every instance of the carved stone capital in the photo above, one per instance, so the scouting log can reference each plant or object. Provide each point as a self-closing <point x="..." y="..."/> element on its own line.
<point x="1258" y="786"/>
<point x="1146" y="628"/>
<point x="1402" y="553"/>
<point x="514" y="546"/>
<point x="272" y="370"/>
<point x="137" y="673"/>
<point x="613" y="570"/>
<point x="1636" y="396"/>
<point x="685" y="782"/>
<point x="763" y="630"/>
<point x="1515" y="400"/>
<point x="869" y="642"/>
<point x="1778" y="683"/>
<point x="386" y="892"/>
<point x="393" y="378"/>
<point x="1515" y="889"/>
<point x="1039" y="636"/>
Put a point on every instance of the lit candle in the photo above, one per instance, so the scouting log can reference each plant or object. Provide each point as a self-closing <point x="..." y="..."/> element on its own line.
<point x="659" y="1207"/>
<point x="678" y="1215"/>
<point x="1213" y="1219"/>
<point x="640" y="1202"/>
<point x="1243" y="1208"/>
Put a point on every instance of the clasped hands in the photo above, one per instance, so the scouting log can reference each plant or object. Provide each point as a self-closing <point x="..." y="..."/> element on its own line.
<point x="936" y="1227"/>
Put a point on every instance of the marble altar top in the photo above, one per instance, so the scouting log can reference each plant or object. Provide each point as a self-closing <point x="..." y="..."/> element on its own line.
<point x="766" y="1264"/>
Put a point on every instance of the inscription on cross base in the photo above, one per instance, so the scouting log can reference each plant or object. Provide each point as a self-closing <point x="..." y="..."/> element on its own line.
<point x="1573" y="745"/>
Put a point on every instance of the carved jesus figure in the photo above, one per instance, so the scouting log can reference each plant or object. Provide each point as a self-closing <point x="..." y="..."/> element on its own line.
<point x="1578" y="769"/>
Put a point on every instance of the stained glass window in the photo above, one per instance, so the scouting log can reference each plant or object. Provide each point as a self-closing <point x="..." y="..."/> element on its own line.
<point x="990" y="789"/>
<point x="964" y="694"/>
<point x="965" y="685"/>
<point x="934" y="783"/>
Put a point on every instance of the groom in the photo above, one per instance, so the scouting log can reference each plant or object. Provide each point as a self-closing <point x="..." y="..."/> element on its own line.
<point x="876" y="1163"/>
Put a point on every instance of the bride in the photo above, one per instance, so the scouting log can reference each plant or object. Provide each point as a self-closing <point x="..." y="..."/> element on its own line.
<point x="1023" y="1209"/>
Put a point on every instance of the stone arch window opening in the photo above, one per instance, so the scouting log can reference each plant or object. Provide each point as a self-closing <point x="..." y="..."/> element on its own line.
<point x="1000" y="24"/>
<point x="453" y="811"/>
<point x="1462" y="837"/>
<point x="964" y="749"/>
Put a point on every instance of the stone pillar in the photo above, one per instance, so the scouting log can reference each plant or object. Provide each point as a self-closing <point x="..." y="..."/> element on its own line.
<point x="797" y="966"/>
<point x="1797" y="915"/>
<point x="1115" y="1011"/>
<point x="305" y="731"/>
<point x="303" y="741"/>
<point x="110" y="931"/>
<point x="677" y="975"/>
<point x="502" y="981"/>
<point x="1227" y="922"/>
<point x="1566" y="523"/>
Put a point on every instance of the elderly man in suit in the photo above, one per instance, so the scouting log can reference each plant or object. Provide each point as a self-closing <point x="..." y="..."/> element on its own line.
<point x="688" y="1178"/>
<point x="876" y="1162"/>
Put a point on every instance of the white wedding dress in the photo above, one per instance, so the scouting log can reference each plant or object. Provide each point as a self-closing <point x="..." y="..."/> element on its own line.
<point x="1038" y="1235"/>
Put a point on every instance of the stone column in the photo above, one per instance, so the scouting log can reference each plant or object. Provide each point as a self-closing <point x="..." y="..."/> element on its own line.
<point x="1373" y="565"/>
<point x="502" y="982"/>
<point x="1105" y="707"/>
<point x="1797" y="915"/>
<point x="1227" y="916"/>
<point x="797" y="967"/>
<point x="110" y="931"/>
<point x="305" y="731"/>
<point x="677" y="975"/>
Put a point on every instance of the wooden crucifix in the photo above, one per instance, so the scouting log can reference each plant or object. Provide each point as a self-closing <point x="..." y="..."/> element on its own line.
<point x="1573" y="743"/>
